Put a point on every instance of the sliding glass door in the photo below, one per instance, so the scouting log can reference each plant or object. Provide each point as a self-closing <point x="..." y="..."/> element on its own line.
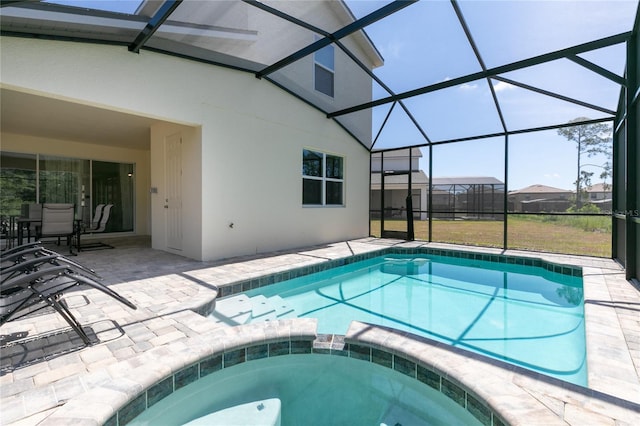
<point x="18" y="182"/>
<point x="112" y="183"/>
<point x="61" y="180"/>
<point x="30" y="178"/>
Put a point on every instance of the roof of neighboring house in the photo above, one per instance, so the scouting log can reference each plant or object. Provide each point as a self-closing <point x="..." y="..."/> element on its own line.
<point x="420" y="177"/>
<point x="400" y="153"/>
<point x="540" y="189"/>
<point x="544" y="200"/>
<point x="467" y="180"/>
<point x="603" y="201"/>
<point x="600" y="187"/>
<point x="417" y="178"/>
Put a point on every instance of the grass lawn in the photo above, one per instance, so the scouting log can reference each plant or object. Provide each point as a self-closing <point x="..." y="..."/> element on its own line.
<point x="557" y="235"/>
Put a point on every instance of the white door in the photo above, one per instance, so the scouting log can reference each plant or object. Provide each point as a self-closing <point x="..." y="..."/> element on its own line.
<point x="173" y="197"/>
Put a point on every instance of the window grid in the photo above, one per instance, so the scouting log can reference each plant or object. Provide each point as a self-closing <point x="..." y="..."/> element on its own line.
<point x="337" y="168"/>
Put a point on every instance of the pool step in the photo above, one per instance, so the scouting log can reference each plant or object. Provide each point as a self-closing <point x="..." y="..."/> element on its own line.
<point x="271" y="309"/>
<point x="261" y="308"/>
<point x="282" y="308"/>
<point x="234" y="310"/>
<point x="241" y="309"/>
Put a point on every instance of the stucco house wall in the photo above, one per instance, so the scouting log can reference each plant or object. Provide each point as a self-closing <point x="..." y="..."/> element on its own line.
<point x="242" y="144"/>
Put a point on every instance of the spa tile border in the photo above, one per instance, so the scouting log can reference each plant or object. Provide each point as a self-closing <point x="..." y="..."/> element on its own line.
<point x="265" y="280"/>
<point x="201" y="369"/>
<point x="247" y="343"/>
<point x="333" y="345"/>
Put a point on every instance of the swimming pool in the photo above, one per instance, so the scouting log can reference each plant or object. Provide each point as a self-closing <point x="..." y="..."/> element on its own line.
<point x="526" y="315"/>
<point x="307" y="389"/>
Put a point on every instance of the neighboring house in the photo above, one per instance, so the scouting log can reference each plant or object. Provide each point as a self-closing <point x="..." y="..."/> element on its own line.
<point x="599" y="191"/>
<point x="397" y="165"/>
<point x="600" y="195"/>
<point x="212" y="155"/>
<point x="540" y="198"/>
<point x="452" y="197"/>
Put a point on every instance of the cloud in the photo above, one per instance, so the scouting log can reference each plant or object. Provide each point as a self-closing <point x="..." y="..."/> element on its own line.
<point x="501" y="85"/>
<point x="468" y="86"/>
<point x="393" y="49"/>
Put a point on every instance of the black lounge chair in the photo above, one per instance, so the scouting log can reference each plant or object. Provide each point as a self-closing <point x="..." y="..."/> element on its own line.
<point x="36" y="282"/>
<point x="19" y="249"/>
<point x="25" y="252"/>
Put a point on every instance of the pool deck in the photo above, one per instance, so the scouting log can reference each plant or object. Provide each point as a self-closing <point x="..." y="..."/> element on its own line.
<point x="48" y="377"/>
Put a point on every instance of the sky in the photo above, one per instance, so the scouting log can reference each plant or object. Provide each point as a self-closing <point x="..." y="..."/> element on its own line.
<point x="122" y="6"/>
<point x="424" y="44"/>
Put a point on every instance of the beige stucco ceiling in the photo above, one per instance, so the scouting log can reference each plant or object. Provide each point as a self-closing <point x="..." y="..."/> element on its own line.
<point x="24" y="113"/>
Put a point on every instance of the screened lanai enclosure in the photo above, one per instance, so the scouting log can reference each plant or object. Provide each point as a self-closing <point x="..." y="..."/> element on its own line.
<point x="509" y="124"/>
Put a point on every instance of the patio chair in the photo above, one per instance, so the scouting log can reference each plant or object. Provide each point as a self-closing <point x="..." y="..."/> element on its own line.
<point x="100" y="219"/>
<point x="34" y="213"/>
<point x="58" y="221"/>
<point x="95" y="222"/>
<point x="34" y="284"/>
<point x="5" y="232"/>
<point x="98" y="226"/>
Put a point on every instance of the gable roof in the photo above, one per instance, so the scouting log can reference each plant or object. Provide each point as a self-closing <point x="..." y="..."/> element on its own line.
<point x="397" y="153"/>
<point x="600" y="187"/>
<point x="417" y="178"/>
<point x="539" y="189"/>
<point x="467" y="180"/>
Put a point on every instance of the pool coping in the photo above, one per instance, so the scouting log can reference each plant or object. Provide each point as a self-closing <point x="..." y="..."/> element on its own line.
<point x="123" y="399"/>
<point x="253" y="283"/>
<point x="601" y="324"/>
<point x="435" y="356"/>
<point x="494" y="392"/>
<point x="617" y="391"/>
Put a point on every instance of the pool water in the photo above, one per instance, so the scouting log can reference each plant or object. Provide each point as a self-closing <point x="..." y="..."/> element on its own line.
<point x="313" y="390"/>
<point x="523" y="315"/>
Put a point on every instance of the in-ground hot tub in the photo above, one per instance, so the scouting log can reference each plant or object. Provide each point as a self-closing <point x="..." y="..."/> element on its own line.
<point x="312" y="389"/>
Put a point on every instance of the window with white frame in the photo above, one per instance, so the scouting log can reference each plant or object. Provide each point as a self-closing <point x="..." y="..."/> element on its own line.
<point x="322" y="179"/>
<point x="324" y="70"/>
